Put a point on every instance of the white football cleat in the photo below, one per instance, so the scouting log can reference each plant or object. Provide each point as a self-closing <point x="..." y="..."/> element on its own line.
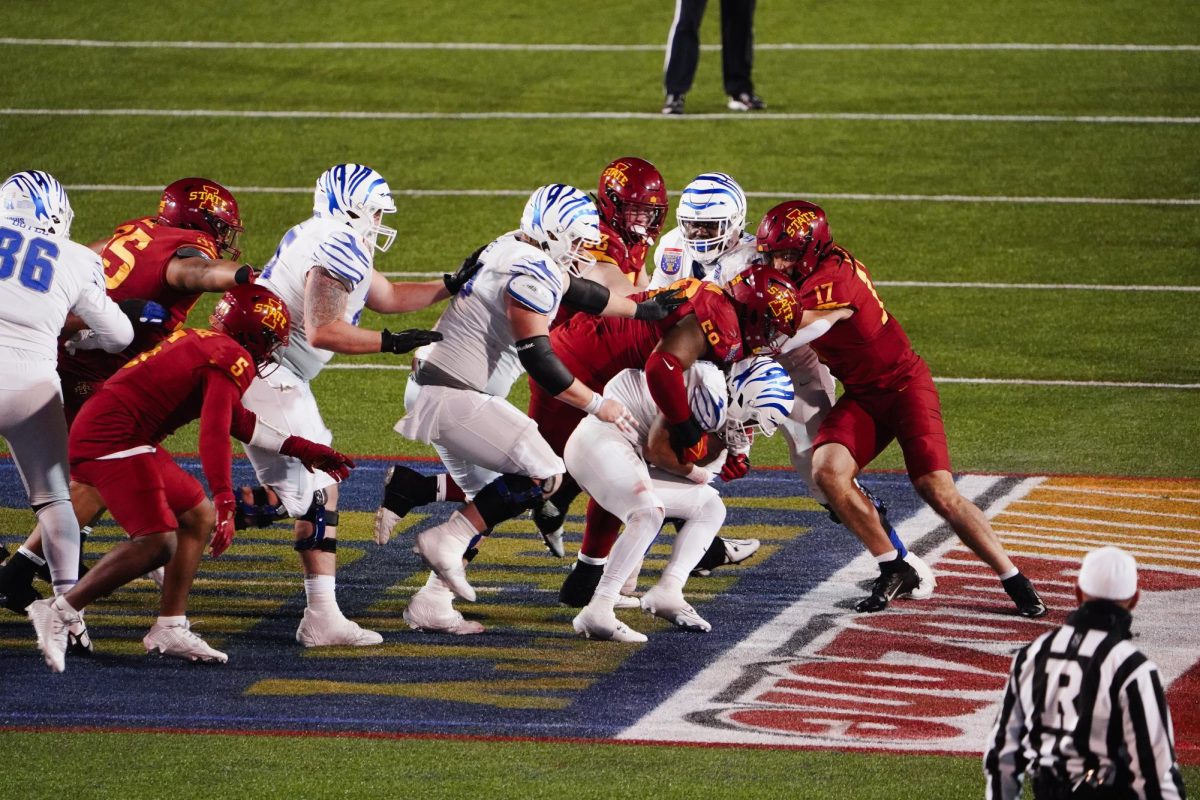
<point x="928" y="582"/>
<point x="319" y="629"/>
<point x="51" y="626"/>
<point x="178" y="641"/>
<point x="442" y="547"/>
<point x="554" y="543"/>
<point x="157" y="575"/>
<point x="674" y="609"/>
<point x="432" y="610"/>
<point x="627" y="601"/>
<point x="594" y="622"/>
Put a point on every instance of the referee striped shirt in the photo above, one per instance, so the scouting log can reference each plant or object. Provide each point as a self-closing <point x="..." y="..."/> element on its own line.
<point x="1082" y="700"/>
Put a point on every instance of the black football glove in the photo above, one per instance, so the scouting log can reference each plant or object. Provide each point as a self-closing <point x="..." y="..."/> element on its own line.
<point x="470" y="265"/>
<point x="658" y="305"/>
<point x="404" y="341"/>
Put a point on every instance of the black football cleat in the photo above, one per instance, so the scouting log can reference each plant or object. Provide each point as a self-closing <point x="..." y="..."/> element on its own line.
<point x="1026" y="598"/>
<point x="896" y="577"/>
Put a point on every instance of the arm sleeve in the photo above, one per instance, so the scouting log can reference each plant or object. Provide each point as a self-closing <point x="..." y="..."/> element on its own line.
<point x="1149" y="738"/>
<point x="546" y="368"/>
<point x="109" y="324"/>
<point x="1003" y="762"/>
<point x="221" y="396"/>
<point x="664" y="377"/>
<point x="243" y="423"/>
<point x="586" y="296"/>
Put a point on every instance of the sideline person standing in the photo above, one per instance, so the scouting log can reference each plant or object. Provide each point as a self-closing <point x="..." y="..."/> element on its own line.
<point x="1085" y="711"/>
<point x="737" y="54"/>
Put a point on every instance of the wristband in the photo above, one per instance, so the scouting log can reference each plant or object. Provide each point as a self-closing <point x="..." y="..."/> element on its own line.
<point x="699" y="475"/>
<point x="593" y="405"/>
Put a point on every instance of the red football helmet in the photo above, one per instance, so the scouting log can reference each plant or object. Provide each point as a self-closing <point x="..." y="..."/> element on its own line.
<point x="254" y="317"/>
<point x="632" y="199"/>
<point x="768" y="307"/>
<point x="796" y="226"/>
<point x="203" y="205"/>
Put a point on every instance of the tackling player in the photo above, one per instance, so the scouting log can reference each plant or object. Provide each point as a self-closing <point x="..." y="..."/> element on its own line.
<point x="115" y="446"/>
<point x="156" y="268"/>
<point x="888" y="395"/>
<point x="43" y="277"/>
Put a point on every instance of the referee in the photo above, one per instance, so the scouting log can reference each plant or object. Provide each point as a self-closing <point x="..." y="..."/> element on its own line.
<point x="1085" y="712"/>
<point x="737" y="54"/>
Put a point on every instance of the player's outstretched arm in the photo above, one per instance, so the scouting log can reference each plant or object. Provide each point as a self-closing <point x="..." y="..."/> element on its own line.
<point x="220" y="395"/>
<point x="659" y="452"/>
<point x="198" y="274"/>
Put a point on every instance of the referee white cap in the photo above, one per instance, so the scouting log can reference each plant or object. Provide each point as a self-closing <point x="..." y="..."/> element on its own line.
<point x="1108" y="574"/>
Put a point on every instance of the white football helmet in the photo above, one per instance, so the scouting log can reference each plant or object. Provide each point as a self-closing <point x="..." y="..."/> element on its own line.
<point x="35" y="201"/>
<point x="760" y="394"/>
<point x="563" y="221"/>
<point x="711" y="213"/>
<point x="709" y="395"/>
<point x="358" y="196"/>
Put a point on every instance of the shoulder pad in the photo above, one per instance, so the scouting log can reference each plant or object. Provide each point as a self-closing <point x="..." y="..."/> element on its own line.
<point x="536" y="284"/>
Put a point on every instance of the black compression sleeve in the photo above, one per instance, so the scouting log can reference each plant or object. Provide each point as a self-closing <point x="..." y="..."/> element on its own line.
<point x="586" y="296"/>
<point x="543" y="365"/>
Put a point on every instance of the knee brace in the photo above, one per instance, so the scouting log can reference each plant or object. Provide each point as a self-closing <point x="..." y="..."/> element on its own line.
<point x="321" y="518"/>
<point x="506" y="497"/>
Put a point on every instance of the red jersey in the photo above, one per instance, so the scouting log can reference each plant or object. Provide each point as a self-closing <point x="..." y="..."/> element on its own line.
<point x="869" y="350"/>
<point x="631" y="260"/>
<point x="157" y="392"/>
<point x="135" y="266"/>
<point x="595" y="349"/>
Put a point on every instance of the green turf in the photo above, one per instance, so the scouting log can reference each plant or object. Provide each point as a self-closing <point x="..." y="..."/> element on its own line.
<point x="1002" y="334"/>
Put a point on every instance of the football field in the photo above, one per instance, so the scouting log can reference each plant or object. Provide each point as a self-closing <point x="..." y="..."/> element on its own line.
<point x="1021" y="178"/>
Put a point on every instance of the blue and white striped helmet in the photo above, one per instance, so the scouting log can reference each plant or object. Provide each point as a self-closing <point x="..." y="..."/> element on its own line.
<point x="358" y="196"/>
<point x="760" y="393"/>
<point x="712" y="198"/>
<point x="709" y="395"/>
<point x="563" y="221"/>
<point x="35" y="201"/>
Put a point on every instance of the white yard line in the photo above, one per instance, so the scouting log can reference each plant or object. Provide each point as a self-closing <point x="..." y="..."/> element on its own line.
<point x="763" y="116"/>
<point x="1168" y="490"/>
<point x="1103" y="523"/>
<point x="592" y="47"/>
<point x="1011" y="381"/>
<point x="899" y="198"/>
<point x="1108" y="509"/>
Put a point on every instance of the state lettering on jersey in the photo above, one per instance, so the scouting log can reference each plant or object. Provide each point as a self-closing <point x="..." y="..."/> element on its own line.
<point x="671" y="261"/>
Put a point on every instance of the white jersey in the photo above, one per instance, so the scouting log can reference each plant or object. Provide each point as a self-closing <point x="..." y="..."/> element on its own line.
<point x="477" y="347"/>
<point x="707" y="391"/>
<point x="44" y="277"/>
<point x="334" y="246"/>
<point x="672" y="262"/>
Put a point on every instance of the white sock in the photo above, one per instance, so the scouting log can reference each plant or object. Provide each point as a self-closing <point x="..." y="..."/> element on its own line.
<point x="890" y="555"/>
<point x="440" y="494"/>
<point x="1006" y="575"/>
<point x="321" y="591"/>
<point x="61" y="605"/>
<point x="641" y="527"/>
<point x="167" y="622"/>
<point x="595" y="562"/>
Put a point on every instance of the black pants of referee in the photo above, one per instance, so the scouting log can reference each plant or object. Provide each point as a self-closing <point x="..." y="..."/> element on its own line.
<point x="737" y="45"/>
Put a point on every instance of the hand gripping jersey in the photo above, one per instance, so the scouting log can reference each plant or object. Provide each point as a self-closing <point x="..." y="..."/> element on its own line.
<point x="478" y="349"/>
<point x="340" y="251"/>
<point x="708" y="396"/>
<point x="672" y="262"/>
<point x="41" y="279"/>
<point x="157" y="392"/>
<point x="869" y="350"/>
<point x="597" y="348"/>
<point x="135" y="266"/>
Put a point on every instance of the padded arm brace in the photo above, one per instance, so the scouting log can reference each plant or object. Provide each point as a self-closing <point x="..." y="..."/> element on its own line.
<point x="546" y="369"/>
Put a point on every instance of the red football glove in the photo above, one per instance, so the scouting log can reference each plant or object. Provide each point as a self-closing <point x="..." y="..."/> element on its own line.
<point x="223" y="535"/>
<point x="736" y="466"/>
<point x="318" y="456"/>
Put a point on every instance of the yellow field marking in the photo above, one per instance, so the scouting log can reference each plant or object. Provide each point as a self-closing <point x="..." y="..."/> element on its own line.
<point x="496" y="693"/>
<point x="1157" y="521"/>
